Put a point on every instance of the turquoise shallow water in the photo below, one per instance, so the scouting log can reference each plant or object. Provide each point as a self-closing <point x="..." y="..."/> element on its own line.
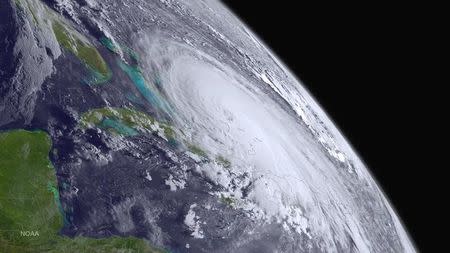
<point x="149" y="92"/>
<point x="138" y="80"/>
<point x="53" y="189"/>
<point x="109" y="44"/>
<point x="119" y="127"/>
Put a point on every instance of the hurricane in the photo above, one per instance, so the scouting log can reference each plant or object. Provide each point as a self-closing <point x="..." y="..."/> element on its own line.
<point x="169" y="126"/>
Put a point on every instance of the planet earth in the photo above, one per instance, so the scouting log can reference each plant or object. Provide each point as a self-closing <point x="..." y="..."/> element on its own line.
<point x="168" y="126"/>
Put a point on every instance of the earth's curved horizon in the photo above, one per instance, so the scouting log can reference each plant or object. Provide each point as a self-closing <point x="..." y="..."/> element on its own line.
<point x="168" y="126"/>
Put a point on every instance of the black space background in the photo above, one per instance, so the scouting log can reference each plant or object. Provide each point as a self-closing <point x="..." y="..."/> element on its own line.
<point x="365" y="66"/>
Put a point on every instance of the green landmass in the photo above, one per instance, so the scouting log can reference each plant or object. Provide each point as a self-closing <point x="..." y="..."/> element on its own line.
<point x="33" y="14"/>
<point x="30" y="211"/>
<point x="125" y="121"/>
<point x="197" y="150"/>
<point x="88" y="54"/>
<point x="69" y="39"/>
<point x="227" y="200"/>
<point x="223" y="161"/>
